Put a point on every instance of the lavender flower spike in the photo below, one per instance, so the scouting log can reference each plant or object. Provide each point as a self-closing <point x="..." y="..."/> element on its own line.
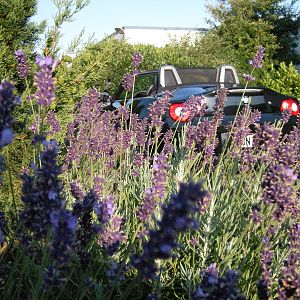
<point x="127" y="82"/>
<point x="137" y="59"/>
<point x="52" y="121"/>
<point x="256" y="62"/>
<point x="248" y="77"/>
<point x="213" y="286"/>
<point x="175" y="219"/>
<point x="23" y="68"/>
<point x="44" y="82"/>
<point x="63" y="231"/>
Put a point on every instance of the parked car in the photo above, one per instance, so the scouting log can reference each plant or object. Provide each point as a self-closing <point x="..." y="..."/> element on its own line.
<point x="187" y="82"/>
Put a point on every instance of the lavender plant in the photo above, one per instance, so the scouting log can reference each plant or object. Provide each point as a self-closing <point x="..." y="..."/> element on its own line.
<point x="176" y="218"/>
<point x="111" y="227"/>
<point x="214" y="286"/>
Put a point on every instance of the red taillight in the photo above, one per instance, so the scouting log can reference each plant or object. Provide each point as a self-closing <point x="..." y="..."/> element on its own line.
<point x="176" y="113"/>
<point x="292" y="105"/>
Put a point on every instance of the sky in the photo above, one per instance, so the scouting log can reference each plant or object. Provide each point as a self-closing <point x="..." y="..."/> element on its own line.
<point x="100" y="18"/>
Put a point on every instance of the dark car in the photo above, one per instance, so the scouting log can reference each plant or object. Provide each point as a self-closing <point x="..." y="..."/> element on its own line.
<point x="187" y="82"/>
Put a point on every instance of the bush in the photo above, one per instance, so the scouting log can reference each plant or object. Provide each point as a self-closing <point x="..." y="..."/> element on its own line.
<point x="282" y="78"/>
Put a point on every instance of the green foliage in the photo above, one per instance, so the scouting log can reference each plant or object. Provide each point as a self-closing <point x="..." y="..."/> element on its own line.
<point x="66" y="10"/>
<point x="239" y="31"/>
<point x="16" y="31"/>
<point x="286" y="19"/>
<point x="242" y="25"/>
<point x="282" y="78"/>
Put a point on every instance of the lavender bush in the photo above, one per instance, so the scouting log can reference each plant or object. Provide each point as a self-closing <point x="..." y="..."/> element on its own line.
<point x="113" y="214"/>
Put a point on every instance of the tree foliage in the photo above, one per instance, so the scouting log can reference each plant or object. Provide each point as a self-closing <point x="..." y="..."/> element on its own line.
<point x="242" y="25"/>
<point x="66" y="11"/>
<point x="16" y="31"/>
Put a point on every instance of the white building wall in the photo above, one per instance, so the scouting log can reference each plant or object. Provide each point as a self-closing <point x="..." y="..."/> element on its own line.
<point x="157" y="36"/>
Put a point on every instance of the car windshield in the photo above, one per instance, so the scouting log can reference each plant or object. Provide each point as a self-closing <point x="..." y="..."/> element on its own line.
<point x="144" y="85"/>
<point x="197" y="75"/>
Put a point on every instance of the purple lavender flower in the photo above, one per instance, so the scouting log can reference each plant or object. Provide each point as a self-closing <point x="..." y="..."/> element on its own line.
<point x="104" y="209"/>
<point x="98" y="185"/>
<point x="266" y="140"/>
<point x="278" y="189"/>
<point x="6" y="137"/>
<point x="137" y="59"/>
<point x="23" y="67"/>
<point x="286" y="114"/>
<point x="175" y="219"/>
<point x="168" y="142"/>
<point x="35" y="125"/>
<point x="158" y="108"/>
<point x="86" y="228"/>
<point x="123" y="113"/>
<point x="219" y="106"/>
<point x="195" y="106"/>
<point x="42" y="194"/>
<point x="44" y="82"/>
<point x="154" y="194"/>
<point x="248" y="160"/>
<point x="204" y="202"/>
<point x="194" y="242"/>
<point x="290" y="275"/>
<point x="76" y="191"/>
<point x="127" y="82"/>
<point x="242" y="129"/>
<point x="256" y="62"/>
<point x="7" y="104"/>
<point x="52" y="277"/>
<point x="213" y="286"/>
<point x="248" y="77"/>
<point x="53" y="122"/>
<point x="255" y="214"/>
<point x="139" y="128"/>
<point x="111" y="235"/>
<point x="114" y="273"/>
<point x="266" y="260"/>
<point x="139" y="159"/>
<point x="83" y="134"/>
<point x="203" y="138"/>
<point x="63" y="233"/>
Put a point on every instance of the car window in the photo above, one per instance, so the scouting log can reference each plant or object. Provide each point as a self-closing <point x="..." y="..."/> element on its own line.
<point x="198" y="75"/>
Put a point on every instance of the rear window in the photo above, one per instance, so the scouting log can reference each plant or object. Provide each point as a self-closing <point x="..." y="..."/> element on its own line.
<point x="195" y="76"/>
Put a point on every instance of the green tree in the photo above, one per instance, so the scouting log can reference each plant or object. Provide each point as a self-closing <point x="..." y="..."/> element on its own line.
<point x="241" y="25"/>
<point x="287" y="28"/>
<point x="16" y="31"/>
<point x="240" y="31"/>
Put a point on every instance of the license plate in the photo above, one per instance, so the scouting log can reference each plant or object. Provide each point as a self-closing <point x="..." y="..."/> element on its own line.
<point x="248" y="140"/>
